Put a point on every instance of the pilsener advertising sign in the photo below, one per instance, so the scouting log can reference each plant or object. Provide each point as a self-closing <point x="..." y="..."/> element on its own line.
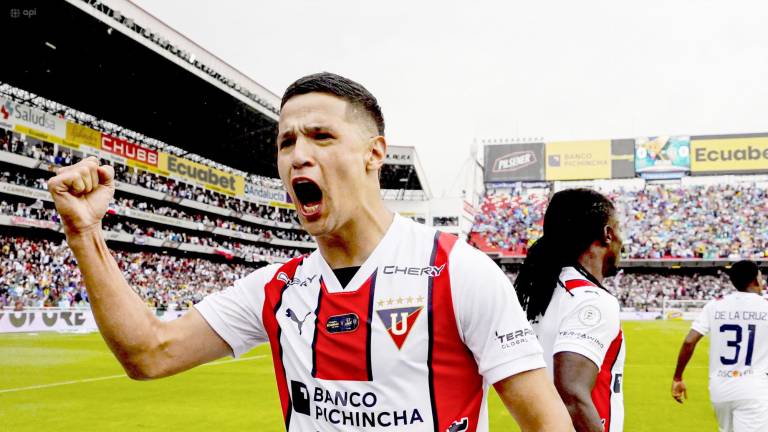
<point x="514" y="162"/>
<point x="739" y="154"/>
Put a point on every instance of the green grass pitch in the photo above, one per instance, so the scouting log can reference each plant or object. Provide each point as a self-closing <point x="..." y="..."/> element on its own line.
<point x="91" y="393"/>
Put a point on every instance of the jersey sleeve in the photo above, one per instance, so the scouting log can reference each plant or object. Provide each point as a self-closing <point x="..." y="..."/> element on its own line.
<point x="235" y="313"/>
<point x="701" y="323"/>
<point x="589" y="324"/>
<point x="490" y="320"/>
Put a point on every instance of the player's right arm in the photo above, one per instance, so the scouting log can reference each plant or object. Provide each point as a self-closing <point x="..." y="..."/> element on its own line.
<point x="679" y="391"/>
<point x="145" y="346"/>
<point x="699" y="329"/>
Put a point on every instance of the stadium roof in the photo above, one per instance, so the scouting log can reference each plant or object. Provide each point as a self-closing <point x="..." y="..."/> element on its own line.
<point x="120" y="64"/>
<point x="114" y="61"/>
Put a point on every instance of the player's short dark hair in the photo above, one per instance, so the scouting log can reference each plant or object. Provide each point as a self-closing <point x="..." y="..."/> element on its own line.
<point x="743" y="274"/>
<point x="344" y="88"/>
<point x="574" y="219"/>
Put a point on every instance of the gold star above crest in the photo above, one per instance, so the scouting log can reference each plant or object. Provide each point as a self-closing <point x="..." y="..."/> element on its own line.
<point x="389" y="301"/>
<point x="419" y="299"/>
<point x="380" y="303"/>
<point x="399" y="300"/>
<point x="410" y="299"/>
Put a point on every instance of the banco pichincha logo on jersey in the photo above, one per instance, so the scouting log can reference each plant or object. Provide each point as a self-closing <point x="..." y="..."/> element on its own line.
<point x="352" y="409"/>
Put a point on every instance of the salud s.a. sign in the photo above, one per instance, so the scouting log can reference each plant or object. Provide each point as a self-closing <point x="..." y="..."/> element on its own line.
<point x="31" y="121"/>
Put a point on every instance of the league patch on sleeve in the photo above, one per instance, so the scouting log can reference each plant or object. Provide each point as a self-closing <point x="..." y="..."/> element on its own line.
<point x="590" y="316"/>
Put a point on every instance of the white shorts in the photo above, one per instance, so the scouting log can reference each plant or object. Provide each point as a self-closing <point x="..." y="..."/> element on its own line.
<point x="749" y="415"/>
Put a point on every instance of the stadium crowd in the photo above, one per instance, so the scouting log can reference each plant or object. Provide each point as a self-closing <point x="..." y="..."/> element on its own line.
<point x="211" y="223"/>
<point x="658" y="222"/>
<point x="43" y="273"/>
<point x="247" y="251"/>
<point x="647" y="291"/>
<point x="195" y="193"/>
<point x="45" y="151"/>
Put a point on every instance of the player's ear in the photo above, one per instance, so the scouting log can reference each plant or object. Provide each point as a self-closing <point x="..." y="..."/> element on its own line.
<point x="608" y="234"/>
<point x="377" y="153"/>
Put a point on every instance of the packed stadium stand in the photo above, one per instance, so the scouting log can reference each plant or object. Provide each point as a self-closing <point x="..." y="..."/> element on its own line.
<point x="660" y="221"/>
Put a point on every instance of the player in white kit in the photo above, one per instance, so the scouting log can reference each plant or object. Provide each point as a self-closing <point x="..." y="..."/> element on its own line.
<point x="389" y="325"/>
<point x="575" y="318"/>
<point x="737" y="325"/>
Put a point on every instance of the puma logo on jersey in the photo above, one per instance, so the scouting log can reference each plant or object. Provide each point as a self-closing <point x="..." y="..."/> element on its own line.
<point x="459" y="425"/>
<point x="292" y="315"/>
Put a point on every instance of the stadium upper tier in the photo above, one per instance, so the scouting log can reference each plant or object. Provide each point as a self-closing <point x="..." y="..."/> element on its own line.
<point x="659" y="221"/>
<point x="152" y="210"/>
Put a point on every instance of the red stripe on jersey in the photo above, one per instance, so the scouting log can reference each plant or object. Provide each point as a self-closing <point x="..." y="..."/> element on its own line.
<point x="578" y="283"/>
<point x="343" y="355"/>
<point x="273" y="297"/>
<point x="456" y="387"/>
<point x="601" y="392"/>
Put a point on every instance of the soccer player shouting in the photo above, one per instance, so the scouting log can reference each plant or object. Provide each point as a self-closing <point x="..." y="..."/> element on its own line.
<point x="389" y="325"/>
<point x="738" y="353"/>
<point x="574" y="316"/>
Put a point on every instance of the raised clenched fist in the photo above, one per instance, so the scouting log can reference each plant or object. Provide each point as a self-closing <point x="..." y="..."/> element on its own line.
<point x="82" y="193"/>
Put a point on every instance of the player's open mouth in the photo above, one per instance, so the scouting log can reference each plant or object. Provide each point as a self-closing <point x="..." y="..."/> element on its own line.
<point x="309" y="196"/>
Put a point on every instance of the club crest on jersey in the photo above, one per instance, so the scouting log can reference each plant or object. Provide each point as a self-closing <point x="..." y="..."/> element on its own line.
<point x="399" y="322"/>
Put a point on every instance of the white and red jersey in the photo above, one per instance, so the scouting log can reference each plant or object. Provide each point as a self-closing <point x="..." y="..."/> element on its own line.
<point x="737" y="325"/>
<point x="584" y="318"/>
<point x="412" y="343"/>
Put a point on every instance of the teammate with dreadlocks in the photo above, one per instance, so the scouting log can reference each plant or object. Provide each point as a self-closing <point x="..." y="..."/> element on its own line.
<point x="575" y="318"/>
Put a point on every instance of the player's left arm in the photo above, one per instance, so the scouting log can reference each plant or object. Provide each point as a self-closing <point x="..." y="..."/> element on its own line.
<point x="495" y="329"/>
<point x="575" y="377"/>
<point x="679" y="391"/>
